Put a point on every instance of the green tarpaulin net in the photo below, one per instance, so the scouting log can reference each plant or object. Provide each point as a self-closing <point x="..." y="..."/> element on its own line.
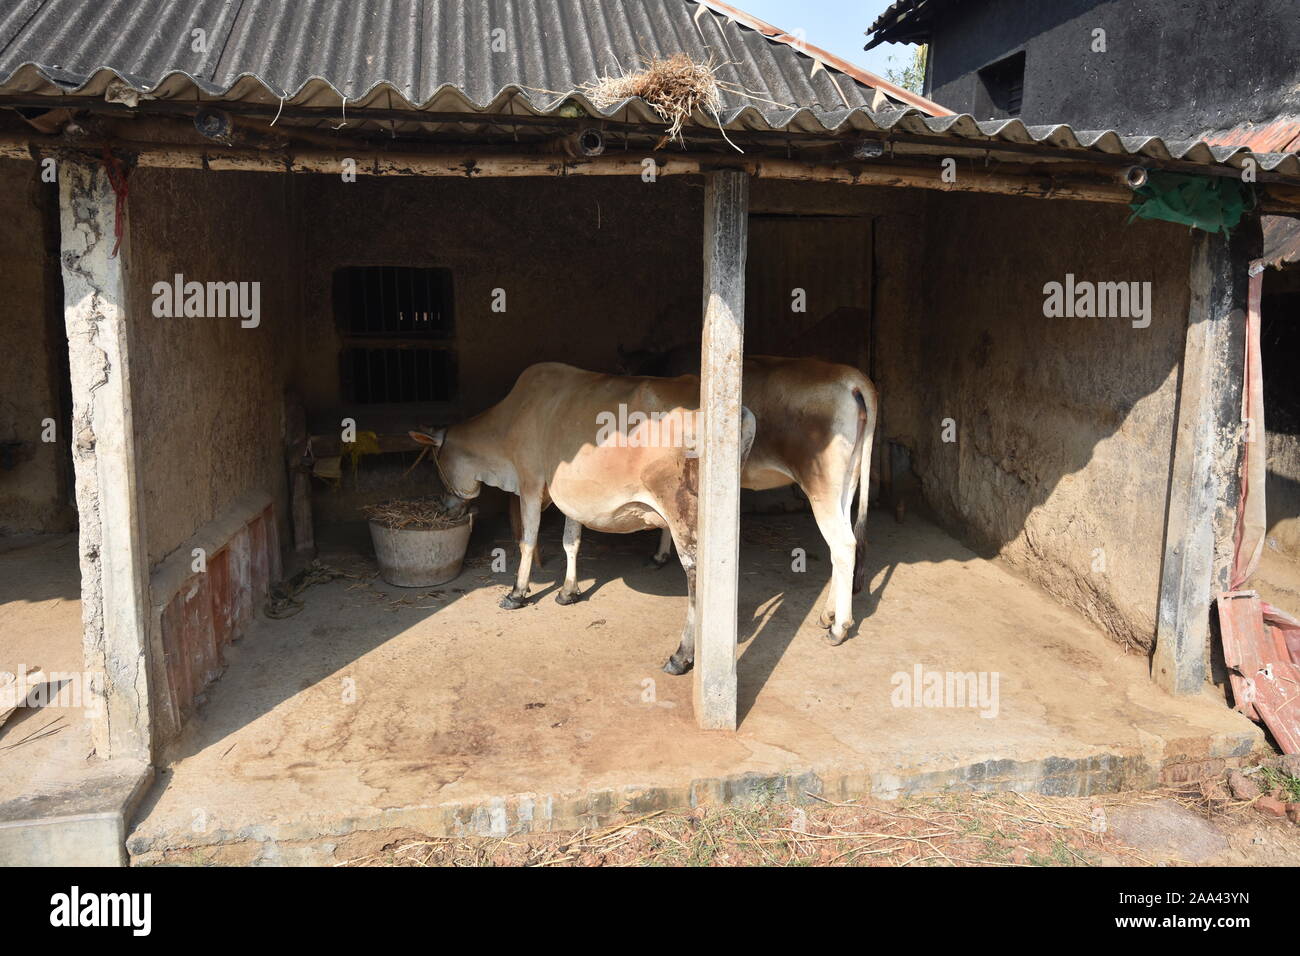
<point x="1211" y="203"/>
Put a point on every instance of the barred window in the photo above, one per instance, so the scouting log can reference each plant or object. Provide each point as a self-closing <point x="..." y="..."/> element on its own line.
<point x="397" y="329"/>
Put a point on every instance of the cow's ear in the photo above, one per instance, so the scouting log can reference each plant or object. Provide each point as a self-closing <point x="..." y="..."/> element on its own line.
<point x="432" y="439"/>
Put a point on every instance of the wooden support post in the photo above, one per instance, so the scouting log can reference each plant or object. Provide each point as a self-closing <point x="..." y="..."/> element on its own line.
<point x="114" y="569"/>
<point x="1207" y="453"/>
<point x="726" y="228"/>
<point x="304" y="532"/>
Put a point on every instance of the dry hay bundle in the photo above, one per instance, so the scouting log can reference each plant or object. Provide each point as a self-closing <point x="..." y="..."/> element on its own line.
<point x="674" y="87"/>
<point x="414" y="514"/>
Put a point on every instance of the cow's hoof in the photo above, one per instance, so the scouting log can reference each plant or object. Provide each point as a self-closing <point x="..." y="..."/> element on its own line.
<point x="566" y="597"/>
<point x="512" y="603"/>
<point x="835" y="640"/>
<point x="658" y="562"/>
<point x="677" y="667"/>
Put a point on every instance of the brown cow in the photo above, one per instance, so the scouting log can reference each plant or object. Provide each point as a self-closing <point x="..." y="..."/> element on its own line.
<point x="613" y="453"/>
<point x="816" y="421"/>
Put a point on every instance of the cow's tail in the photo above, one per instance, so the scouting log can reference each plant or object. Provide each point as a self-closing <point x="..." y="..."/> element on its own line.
<point x="861" y="468"/>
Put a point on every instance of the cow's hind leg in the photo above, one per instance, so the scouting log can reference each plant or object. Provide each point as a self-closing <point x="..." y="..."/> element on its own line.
<point x="665" y="550"/>
<point x="569" y="593"/>
<point x="530" y="516"/>
<point x="833" y="522"/>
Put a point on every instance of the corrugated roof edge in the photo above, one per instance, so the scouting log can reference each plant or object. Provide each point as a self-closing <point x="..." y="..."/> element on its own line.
<point x="830" y="59"/>
<point x="32" y="78"/>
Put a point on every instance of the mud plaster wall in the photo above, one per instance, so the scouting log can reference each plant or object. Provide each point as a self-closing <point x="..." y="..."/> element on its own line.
<point x="208" y="394"/>
<point x="1064" y="425"/>
<point x="34" y="495"/>
<point x="586" y="265"/>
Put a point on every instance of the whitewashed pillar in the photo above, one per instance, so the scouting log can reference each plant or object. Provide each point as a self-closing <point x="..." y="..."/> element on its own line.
<point x="726" y="227"/>
<point x="114" y="579"/>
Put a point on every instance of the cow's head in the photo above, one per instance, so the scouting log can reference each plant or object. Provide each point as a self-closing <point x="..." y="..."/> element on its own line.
<point x="456" y="470"/>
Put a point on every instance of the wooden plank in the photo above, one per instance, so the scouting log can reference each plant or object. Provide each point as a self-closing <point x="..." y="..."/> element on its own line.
<point x="178" y="693"/>
<point x="331" y="445"/>
<point x="201" y="639"/>
<point x="223" y="619"/>
<point x="1207" y="448"/>
<point x="241" y="581"/>
<point x="726" y="223"/>
<point x="1100" y="180"/>
<point x="1104" y="185"/>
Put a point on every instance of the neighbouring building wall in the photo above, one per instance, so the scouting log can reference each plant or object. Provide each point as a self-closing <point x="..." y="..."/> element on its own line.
<point x="208" y="394"/>
<point x="1063" y="426"/>
<point x="34" y="492"/>
<point x="1177" y="68"/>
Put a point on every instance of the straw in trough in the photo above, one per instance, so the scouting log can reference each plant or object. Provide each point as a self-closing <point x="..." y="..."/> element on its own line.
<point x="414" y="514"/>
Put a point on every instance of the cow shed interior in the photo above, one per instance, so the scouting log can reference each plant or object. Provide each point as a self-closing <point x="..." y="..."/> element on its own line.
<point x="1045" y="491"/>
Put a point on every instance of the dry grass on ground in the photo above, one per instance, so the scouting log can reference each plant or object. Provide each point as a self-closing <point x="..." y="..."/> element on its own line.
<point x="999" y="830"/>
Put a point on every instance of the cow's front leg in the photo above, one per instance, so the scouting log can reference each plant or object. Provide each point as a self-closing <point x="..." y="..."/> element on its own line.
<point x="569" y="593"/>
<point x="530" y="516"/>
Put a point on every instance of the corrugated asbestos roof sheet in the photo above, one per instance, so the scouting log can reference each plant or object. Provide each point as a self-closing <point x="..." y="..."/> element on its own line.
<point x="413" y="49"/>
<point x="439" y="55"/>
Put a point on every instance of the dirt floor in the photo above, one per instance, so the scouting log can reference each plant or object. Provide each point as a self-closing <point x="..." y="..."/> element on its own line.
<point x="436" y="710"/>
<point x="40" y="628"/>
<point x="1190" y="826"/>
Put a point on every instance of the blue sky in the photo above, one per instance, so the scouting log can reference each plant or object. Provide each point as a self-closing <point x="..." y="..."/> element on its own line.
<point x="836" y="25"/>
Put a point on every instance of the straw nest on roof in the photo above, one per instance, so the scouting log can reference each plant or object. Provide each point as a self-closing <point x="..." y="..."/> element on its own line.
<point x="674" y="87"/>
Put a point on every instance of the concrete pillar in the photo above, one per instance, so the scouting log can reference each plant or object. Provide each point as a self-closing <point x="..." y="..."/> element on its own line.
<point x="726" y="228"/>
<point x="1208" y="439"/>
<point x="114" y="579"/>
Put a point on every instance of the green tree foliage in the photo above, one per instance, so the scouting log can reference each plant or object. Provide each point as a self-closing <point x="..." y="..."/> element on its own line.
<point x="912" y="76"/>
